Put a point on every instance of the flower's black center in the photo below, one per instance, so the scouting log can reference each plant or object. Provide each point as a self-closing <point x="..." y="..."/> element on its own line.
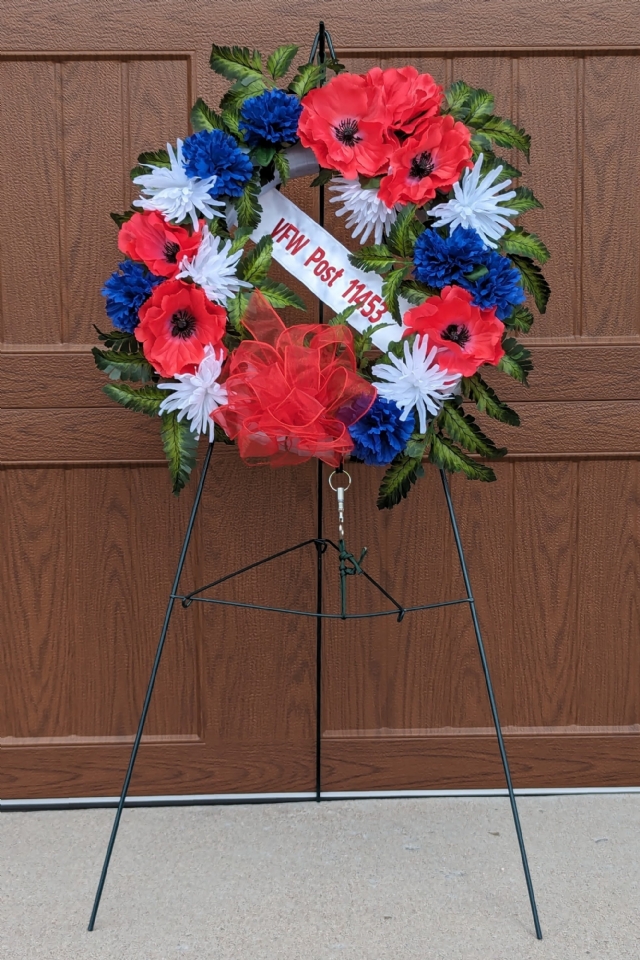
<point x="183" y="324"/>
<point x="346" y="132"/>
<point x="171" y="251"/>
<point x="421" y="166"/>
<point x="456" y="333"/>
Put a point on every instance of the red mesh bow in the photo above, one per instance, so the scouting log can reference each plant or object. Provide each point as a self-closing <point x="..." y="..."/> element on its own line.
<point x="292" y="391"/>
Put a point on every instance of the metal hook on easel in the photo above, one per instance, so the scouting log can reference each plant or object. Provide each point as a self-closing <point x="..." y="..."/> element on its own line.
<point x="349" y="566"/>
<point x="318" y="46"/>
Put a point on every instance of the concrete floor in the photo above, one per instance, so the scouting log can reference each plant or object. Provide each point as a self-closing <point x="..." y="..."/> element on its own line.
<point x="434" y="879"/>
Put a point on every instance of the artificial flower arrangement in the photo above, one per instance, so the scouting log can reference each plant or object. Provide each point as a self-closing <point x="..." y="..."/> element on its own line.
<point x="412" y="167"/>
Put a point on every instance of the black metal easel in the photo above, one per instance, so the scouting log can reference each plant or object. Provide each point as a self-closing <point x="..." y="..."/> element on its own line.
<point x="348" y="565"/>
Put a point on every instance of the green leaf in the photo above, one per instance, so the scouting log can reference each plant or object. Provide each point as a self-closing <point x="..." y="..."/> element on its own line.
<point x="235" y="97"/>
<point x="323" y="177"/>
<point x="309" y="75"/>
<point x="240" y="238"/>
<point x="180" y="446"/>
<point x="480" y="144"/>
<point x="236" y="63"/>
<point x="462" y="428"/>
<point x="280" y="60"/>
<point x="120" y="218"/>
<point x="263" y="154"/>
<point x="490" y="161"/>
<point x="479" y="105"/>
<point x="526" y="244"/>
<point x="236" y="307"/>
<point x="369" y="183"/>
<point x="145" y="400"/>
<point x="254" y="266"/>
<point x="231" y="121"/>
<point x="417" y="446"/>
<point x="457" y="97"/>
<point x="376" y="258"/>
<point x="340" y="319"/>
<point x="152" y="158"/>
<point x="279" y="295"/>
<point x="516" y="361"/>
<point x="402" y="235"/>
<point x="533" y="281"/>
<point x="282" y="166"/>
<point x="391" y="289"/>
<point x="524" y="200"/>
<point x="520" y="319"/>
<point x="204" y="118"/>
<point x="398" y="480"/>
<point x="479" y="271"/>
<point x="247" y="205"/>
<point x="335" y="65"/>
<point x="446" y="455"/>
<point x="415" y="292"/>
<point x="487" y="401"/>
<point x="119" y="341"/>
<point x="122" y="365"/>
<point x="506" y="134"/>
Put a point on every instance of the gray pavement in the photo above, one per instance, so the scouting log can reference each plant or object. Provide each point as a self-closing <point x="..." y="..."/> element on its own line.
<point x="434" y="879"/>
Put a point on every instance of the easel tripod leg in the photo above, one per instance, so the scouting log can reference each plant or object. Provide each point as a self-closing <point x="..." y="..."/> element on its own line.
<point x="492" y="702"/>
<point x="149" y="694"/>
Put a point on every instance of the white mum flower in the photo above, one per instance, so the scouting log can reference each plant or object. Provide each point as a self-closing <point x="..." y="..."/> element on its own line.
<point x="417" y="381"/>
<point x="367" y="213"/>
<point x="175" y="195"/>
<point x="196" y="395"/>
<point x="213" y="269"/>
<point x="477" y="206"/>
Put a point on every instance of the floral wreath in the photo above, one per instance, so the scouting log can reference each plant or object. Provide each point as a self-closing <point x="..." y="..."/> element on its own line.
<point x="414" y="168"/>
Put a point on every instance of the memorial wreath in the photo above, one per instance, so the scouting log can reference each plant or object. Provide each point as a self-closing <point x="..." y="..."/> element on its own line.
<point x="436" y="291"/>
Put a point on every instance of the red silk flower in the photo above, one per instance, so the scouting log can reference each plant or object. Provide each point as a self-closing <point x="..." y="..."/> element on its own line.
<point x="292" y="391"/>
<point x="158" y="244"/>
<point x="431" y="160"/>
<point x="176" y="323"/>
<point x="345" y="123"/>
<point x="411" y="97"/>
<point x="466" y="336"/>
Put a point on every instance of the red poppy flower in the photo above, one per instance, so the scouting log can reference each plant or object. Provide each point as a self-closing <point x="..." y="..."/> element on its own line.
<point x="431" y="160"/>
<point x="411" y="97"/>
<point x="158" y="244"/>
<point x="345" y="123"/>
<point x="176" y="323"/>
<point x="292" y="392"/>
<point x="467" y="336"/>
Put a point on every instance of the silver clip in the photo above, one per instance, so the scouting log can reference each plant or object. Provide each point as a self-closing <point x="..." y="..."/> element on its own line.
<point x="339" y="491"/>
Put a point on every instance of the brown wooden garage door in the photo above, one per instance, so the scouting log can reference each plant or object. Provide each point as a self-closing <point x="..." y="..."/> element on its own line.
<point x="90" y="532"/>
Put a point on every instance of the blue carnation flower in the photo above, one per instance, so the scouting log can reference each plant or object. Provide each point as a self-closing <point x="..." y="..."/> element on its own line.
<point x="500" y="287"/>
<point x="214" y="152"/>
<point x="272" y="118"/>
<point x="381" y="435"/>
<point x="125" y="291"/>
<point x="440" y="261"/>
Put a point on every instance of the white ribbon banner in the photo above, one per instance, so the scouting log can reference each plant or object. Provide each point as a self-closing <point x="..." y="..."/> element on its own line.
<point x="316" y="258"/>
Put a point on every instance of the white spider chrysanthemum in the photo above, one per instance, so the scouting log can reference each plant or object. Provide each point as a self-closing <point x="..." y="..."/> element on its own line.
<point x="417" y="381"/>
<point x="477" y="205"/>
<point x="213" y="268"/>
<point x="175" y="195"/>
<point x="367" y="214"/>
<point x="196" y="395"/>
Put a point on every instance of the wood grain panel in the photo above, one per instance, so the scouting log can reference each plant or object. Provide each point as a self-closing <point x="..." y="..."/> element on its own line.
<point x="556" y="155"/>
<point x="582" y="371"/>
<point x="473" y="762"/>
<point x="35" y="616"/>
<point x="607" y="663"/>
<point x="611" y="211"/>
<point x="95" y="183"/>
<point x="542" y="657"/>
<point x="30" y="272"/>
